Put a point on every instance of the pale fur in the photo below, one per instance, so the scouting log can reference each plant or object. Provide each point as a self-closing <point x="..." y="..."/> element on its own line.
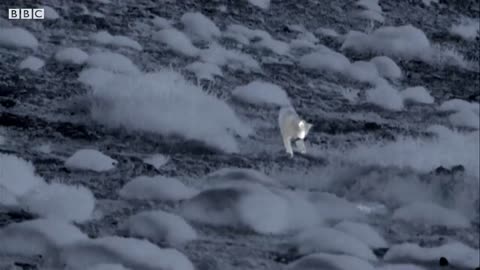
<point x="292" y="127"/>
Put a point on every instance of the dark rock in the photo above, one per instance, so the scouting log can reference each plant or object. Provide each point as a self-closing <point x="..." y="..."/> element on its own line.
<point x="380" y="252"/>
<point x="443" y="261"/>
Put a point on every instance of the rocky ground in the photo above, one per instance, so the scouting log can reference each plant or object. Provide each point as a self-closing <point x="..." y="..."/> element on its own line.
<point x="44" y="107"/>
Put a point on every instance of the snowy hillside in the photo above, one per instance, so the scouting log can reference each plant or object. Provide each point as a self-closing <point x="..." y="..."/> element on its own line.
<point x="145" y="135"/>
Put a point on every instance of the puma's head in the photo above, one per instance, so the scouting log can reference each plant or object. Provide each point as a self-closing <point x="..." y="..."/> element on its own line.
<point x="304" y="128"/>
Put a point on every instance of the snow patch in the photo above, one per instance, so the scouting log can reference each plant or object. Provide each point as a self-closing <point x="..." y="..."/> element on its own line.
<point x="205" y="71"/>
<point x="90" y="159"/>
<point x="132" y="253"/>
<point x="406" y="42"/>
<point x="218" y="55"/>
<point x="17" y="175"/>
<point x="156" y="188"/>
<point x="362" y="232"/>
<point x="164" y="102"/>
<point x="465" y="118"/>
<point x="331" y="241"/>
<point x="17" y="37"/>
<point x="32" y="63"/>
<point x="38" y="237"/>
<point x="61" y="202"/>
<point x="337" y="262"/>
<point x="417" y="94"/>
<point x="263" y="4"/>
<point x="260" y="92"/>
<point x="363" y="71"/>
<point x="241" y="174"/>
<point x="113" y="62"/>
<point x="158" y="226"/>
<point x="457" y="254"/>
<point x="386" y="67"/>
<point x="199" y="27"/>
<point x="72" y="56"/>
<point x="156" y="160"/>
<point x="325" y="60"/>
<point x="176" y="41"/>
<point x="467" y="29"/>
<point x="385" y="96"/>
<point x="429" y="214"/>
<point x="161" y="22"/>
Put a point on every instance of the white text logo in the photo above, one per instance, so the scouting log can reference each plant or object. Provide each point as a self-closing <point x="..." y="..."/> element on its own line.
<point x="26" y="13"/>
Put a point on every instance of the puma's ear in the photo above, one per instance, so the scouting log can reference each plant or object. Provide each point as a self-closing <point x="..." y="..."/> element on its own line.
<point x="309" y="126"/>
<point x="302" y="123"/>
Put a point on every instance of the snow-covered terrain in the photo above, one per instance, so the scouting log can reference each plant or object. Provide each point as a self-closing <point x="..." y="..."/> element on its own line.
<point x="143" y="134"/>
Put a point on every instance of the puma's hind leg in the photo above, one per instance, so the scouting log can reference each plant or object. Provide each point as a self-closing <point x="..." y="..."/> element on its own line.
<point x="288" y="146"/>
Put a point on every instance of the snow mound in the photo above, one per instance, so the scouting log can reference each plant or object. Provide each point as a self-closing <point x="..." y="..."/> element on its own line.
<point x="331" y="241"/>
<point x="199" y="27"/>
<point x="465" y="118"/>
<point x="7" y="198"/>
<point x="276" y="46"/>
<point x="344" y="210"/>
<point x="363" y="71"/>
<point x="370" y="15"/>
<point x="17" y="37"/>
<point x="90" y="159"/>
<point x="105" y="38"/>
<point x="250" y="206"/>
<point x="113" y="62"/>
<point x="32" y="63"/>
<point x="325" y="60"/>
<point x="176" y="41"/>
<point x="244" y="35"/>
<point x="467" y="29"/>
<point x="156" y="160"/>
<point x="448" y="149"/>
<point x="61" y="202"/>
<point x="330" y="261"/>
<point x="95" y="77"/>
<point x="369" y="5"/>
<point x="362" y="232"/>
<point x="218" y="55"/>
<point x="241" y="174"/>
<point x="385" y="96"/>
<point x="72" y="56"/>
<point x="263" y="4"/>
<point x="38" y="237"/>
<point x="400" y="267"/>
<point x="164" y="102"/>
<point x="50" y="13"/>
<point x="260" y="92"/>
<point x="17" y="175"/>
<point x="429" y="214"/>
<point x="417" y="94"/>
<point x="457" y="254"/>
<point x="386" y="67"/>
<point x="161" y="22"/>
<point x="158" y="226"/>
<point x="132" y="253"/>
<point x="107" y="266"/>
<point x="204" y="71"/>
<point x="406" y="42"/>
<point x="328" y="32"/>
<point x="457" y="105"/>
<point x="156" y="188"/>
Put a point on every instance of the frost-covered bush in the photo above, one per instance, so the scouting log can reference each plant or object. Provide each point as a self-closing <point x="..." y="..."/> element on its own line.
<point x="17" y="175"/>
<point x="405" y="42"/>
<point x="113" y="62"/>
<point x="17" y="37"/>
<point x="90" y="159"/>
<point x="71" y="56"/>
<point x="61" y="202"/>
<point x="385" y="96"/>
<point x="176" y="41"/>
<point x="260" y="92"/>
<point x="156" y="188"/>
<point x="32" y="63"/>
<point x="164" y="102"/>
<point x="199" y="27"/>
<point x="159" y="226"/>
<point x="429" y="214"/>
<point x="417" y="94"/>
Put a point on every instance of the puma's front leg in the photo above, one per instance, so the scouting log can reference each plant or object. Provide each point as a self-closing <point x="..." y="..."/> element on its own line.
<point x="288" y="146"/>
<point x="301" y="146"/>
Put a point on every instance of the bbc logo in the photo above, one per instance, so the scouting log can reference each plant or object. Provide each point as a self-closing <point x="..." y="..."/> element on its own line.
<point x="26" y="13"/>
